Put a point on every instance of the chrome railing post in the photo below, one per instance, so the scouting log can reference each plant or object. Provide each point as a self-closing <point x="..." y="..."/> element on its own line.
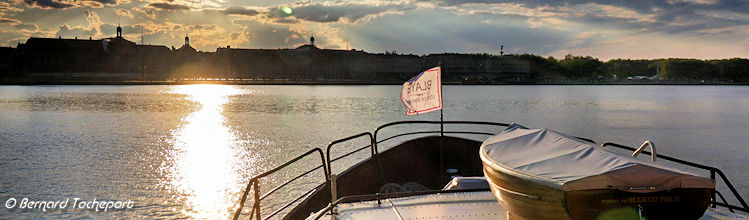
<point x="712" y="176"/>
<point x="243" y="199"/>
<point x="254" y="183"/>
<point x="642" y="147"/>
<point x="256" y="206"/>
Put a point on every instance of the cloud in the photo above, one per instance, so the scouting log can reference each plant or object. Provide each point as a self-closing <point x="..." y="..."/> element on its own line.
<point x="133" y="31"/>
<point x="91" y="29"/>
<point x="201" y="27"/>
<point x="571" y="12"/>
<point x="611" y="11"/>
<point x="240" y="11"/>
<point x="420" y="32"/>
<point x="700" y="2"/>
<point x="148" y="12"/>
<point x="269" y="35"/>
<point x="27" y="30"/>
<point x="168" y="6"/>
<point x="197" y="4"/>
<point x="64" y="4"/>
<point x="26" y="27"/>
<point x="637" y="16"/>
<point x="9" y="21"/>
<point x="641" y="6"/>
<point x="408" y="26"/>
<point x="94" y="22"/>
<point x="124" y="13"/>
<point x="47" y="4"/>
<point x="593" y="23"/>
<point x="69" y="32"/>
<point x="329" y="11"/>
<point x="723" y="14"/>
<point x="506" y="9"/>
<point x="7" y="7"/>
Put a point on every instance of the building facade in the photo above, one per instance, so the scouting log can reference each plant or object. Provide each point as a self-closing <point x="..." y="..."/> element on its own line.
<point x="117" y="58"/>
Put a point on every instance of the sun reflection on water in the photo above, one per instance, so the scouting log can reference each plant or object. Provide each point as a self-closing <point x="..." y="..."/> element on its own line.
<point x="203" y="166"/>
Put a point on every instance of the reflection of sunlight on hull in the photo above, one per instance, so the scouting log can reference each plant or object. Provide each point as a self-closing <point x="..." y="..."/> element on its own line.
<point x="202" y="167"/>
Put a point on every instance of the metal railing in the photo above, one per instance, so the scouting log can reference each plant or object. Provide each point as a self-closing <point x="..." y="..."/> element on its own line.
<point x="254" y="184"/>
<point x="370" y="146"/>
<point x="712" y="170"/>
<point x="433" y="132"/>
<point x="326" y="161"/>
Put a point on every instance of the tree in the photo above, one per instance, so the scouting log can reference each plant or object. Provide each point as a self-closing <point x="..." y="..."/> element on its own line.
<point x="581" y="68"/>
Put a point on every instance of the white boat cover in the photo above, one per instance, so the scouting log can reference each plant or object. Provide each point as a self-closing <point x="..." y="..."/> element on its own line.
<point x="560" y="161"/>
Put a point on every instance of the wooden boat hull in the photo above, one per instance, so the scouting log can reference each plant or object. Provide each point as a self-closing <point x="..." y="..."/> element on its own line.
<point x="525" y="199"/>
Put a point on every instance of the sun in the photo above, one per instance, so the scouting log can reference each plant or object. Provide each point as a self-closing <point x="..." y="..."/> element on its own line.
<point x="287" y="10"/>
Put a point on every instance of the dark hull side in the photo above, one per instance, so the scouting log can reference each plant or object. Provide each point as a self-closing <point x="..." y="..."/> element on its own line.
<point x="615" y="204"/>
<point x="524" y="199"/>
<point x="421" y="160"/>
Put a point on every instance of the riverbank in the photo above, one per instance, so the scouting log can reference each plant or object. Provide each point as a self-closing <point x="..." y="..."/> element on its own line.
<point x="17" y="81"/>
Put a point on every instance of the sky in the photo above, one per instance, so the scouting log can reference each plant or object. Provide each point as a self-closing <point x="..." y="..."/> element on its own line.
<point x="628" y="29"/>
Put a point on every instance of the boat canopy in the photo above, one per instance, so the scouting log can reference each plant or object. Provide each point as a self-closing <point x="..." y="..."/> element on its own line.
<point x="560" y="161"/>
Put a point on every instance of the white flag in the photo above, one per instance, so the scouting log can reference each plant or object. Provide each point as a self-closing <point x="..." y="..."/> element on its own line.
<point x="423" y="93"/>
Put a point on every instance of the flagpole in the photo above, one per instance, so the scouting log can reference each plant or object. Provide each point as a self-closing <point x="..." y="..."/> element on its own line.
<point x="442" y="122"/>
<point x="442" y="125"/>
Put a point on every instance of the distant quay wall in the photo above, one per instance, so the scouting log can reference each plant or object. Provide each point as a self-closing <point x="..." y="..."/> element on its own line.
<point x="100" y="81"/>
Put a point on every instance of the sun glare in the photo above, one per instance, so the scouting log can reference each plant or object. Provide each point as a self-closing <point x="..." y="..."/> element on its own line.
<point x="202" y="164"/>
<point x="287" y="10"/>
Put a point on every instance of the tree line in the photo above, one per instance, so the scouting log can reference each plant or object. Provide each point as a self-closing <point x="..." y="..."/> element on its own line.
<point x="590" y="69"/>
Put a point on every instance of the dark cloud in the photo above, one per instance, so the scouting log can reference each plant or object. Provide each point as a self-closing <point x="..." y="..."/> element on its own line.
<point x="634" y="4"/>
<point x="108" y="2"/>
<point x="63" y="4"/>
<point x="167" y="6"/>
<point x="47" y="4"/>
<point x="240" y="11"/>
<point x="645" y="16"/>
<point x="666" y="8"/>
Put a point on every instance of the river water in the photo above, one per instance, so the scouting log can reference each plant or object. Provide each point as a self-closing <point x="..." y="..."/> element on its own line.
<point x="187" y="151"/>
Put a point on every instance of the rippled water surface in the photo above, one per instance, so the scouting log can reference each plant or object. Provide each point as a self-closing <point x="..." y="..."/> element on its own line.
<point x="187" y="151"/>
